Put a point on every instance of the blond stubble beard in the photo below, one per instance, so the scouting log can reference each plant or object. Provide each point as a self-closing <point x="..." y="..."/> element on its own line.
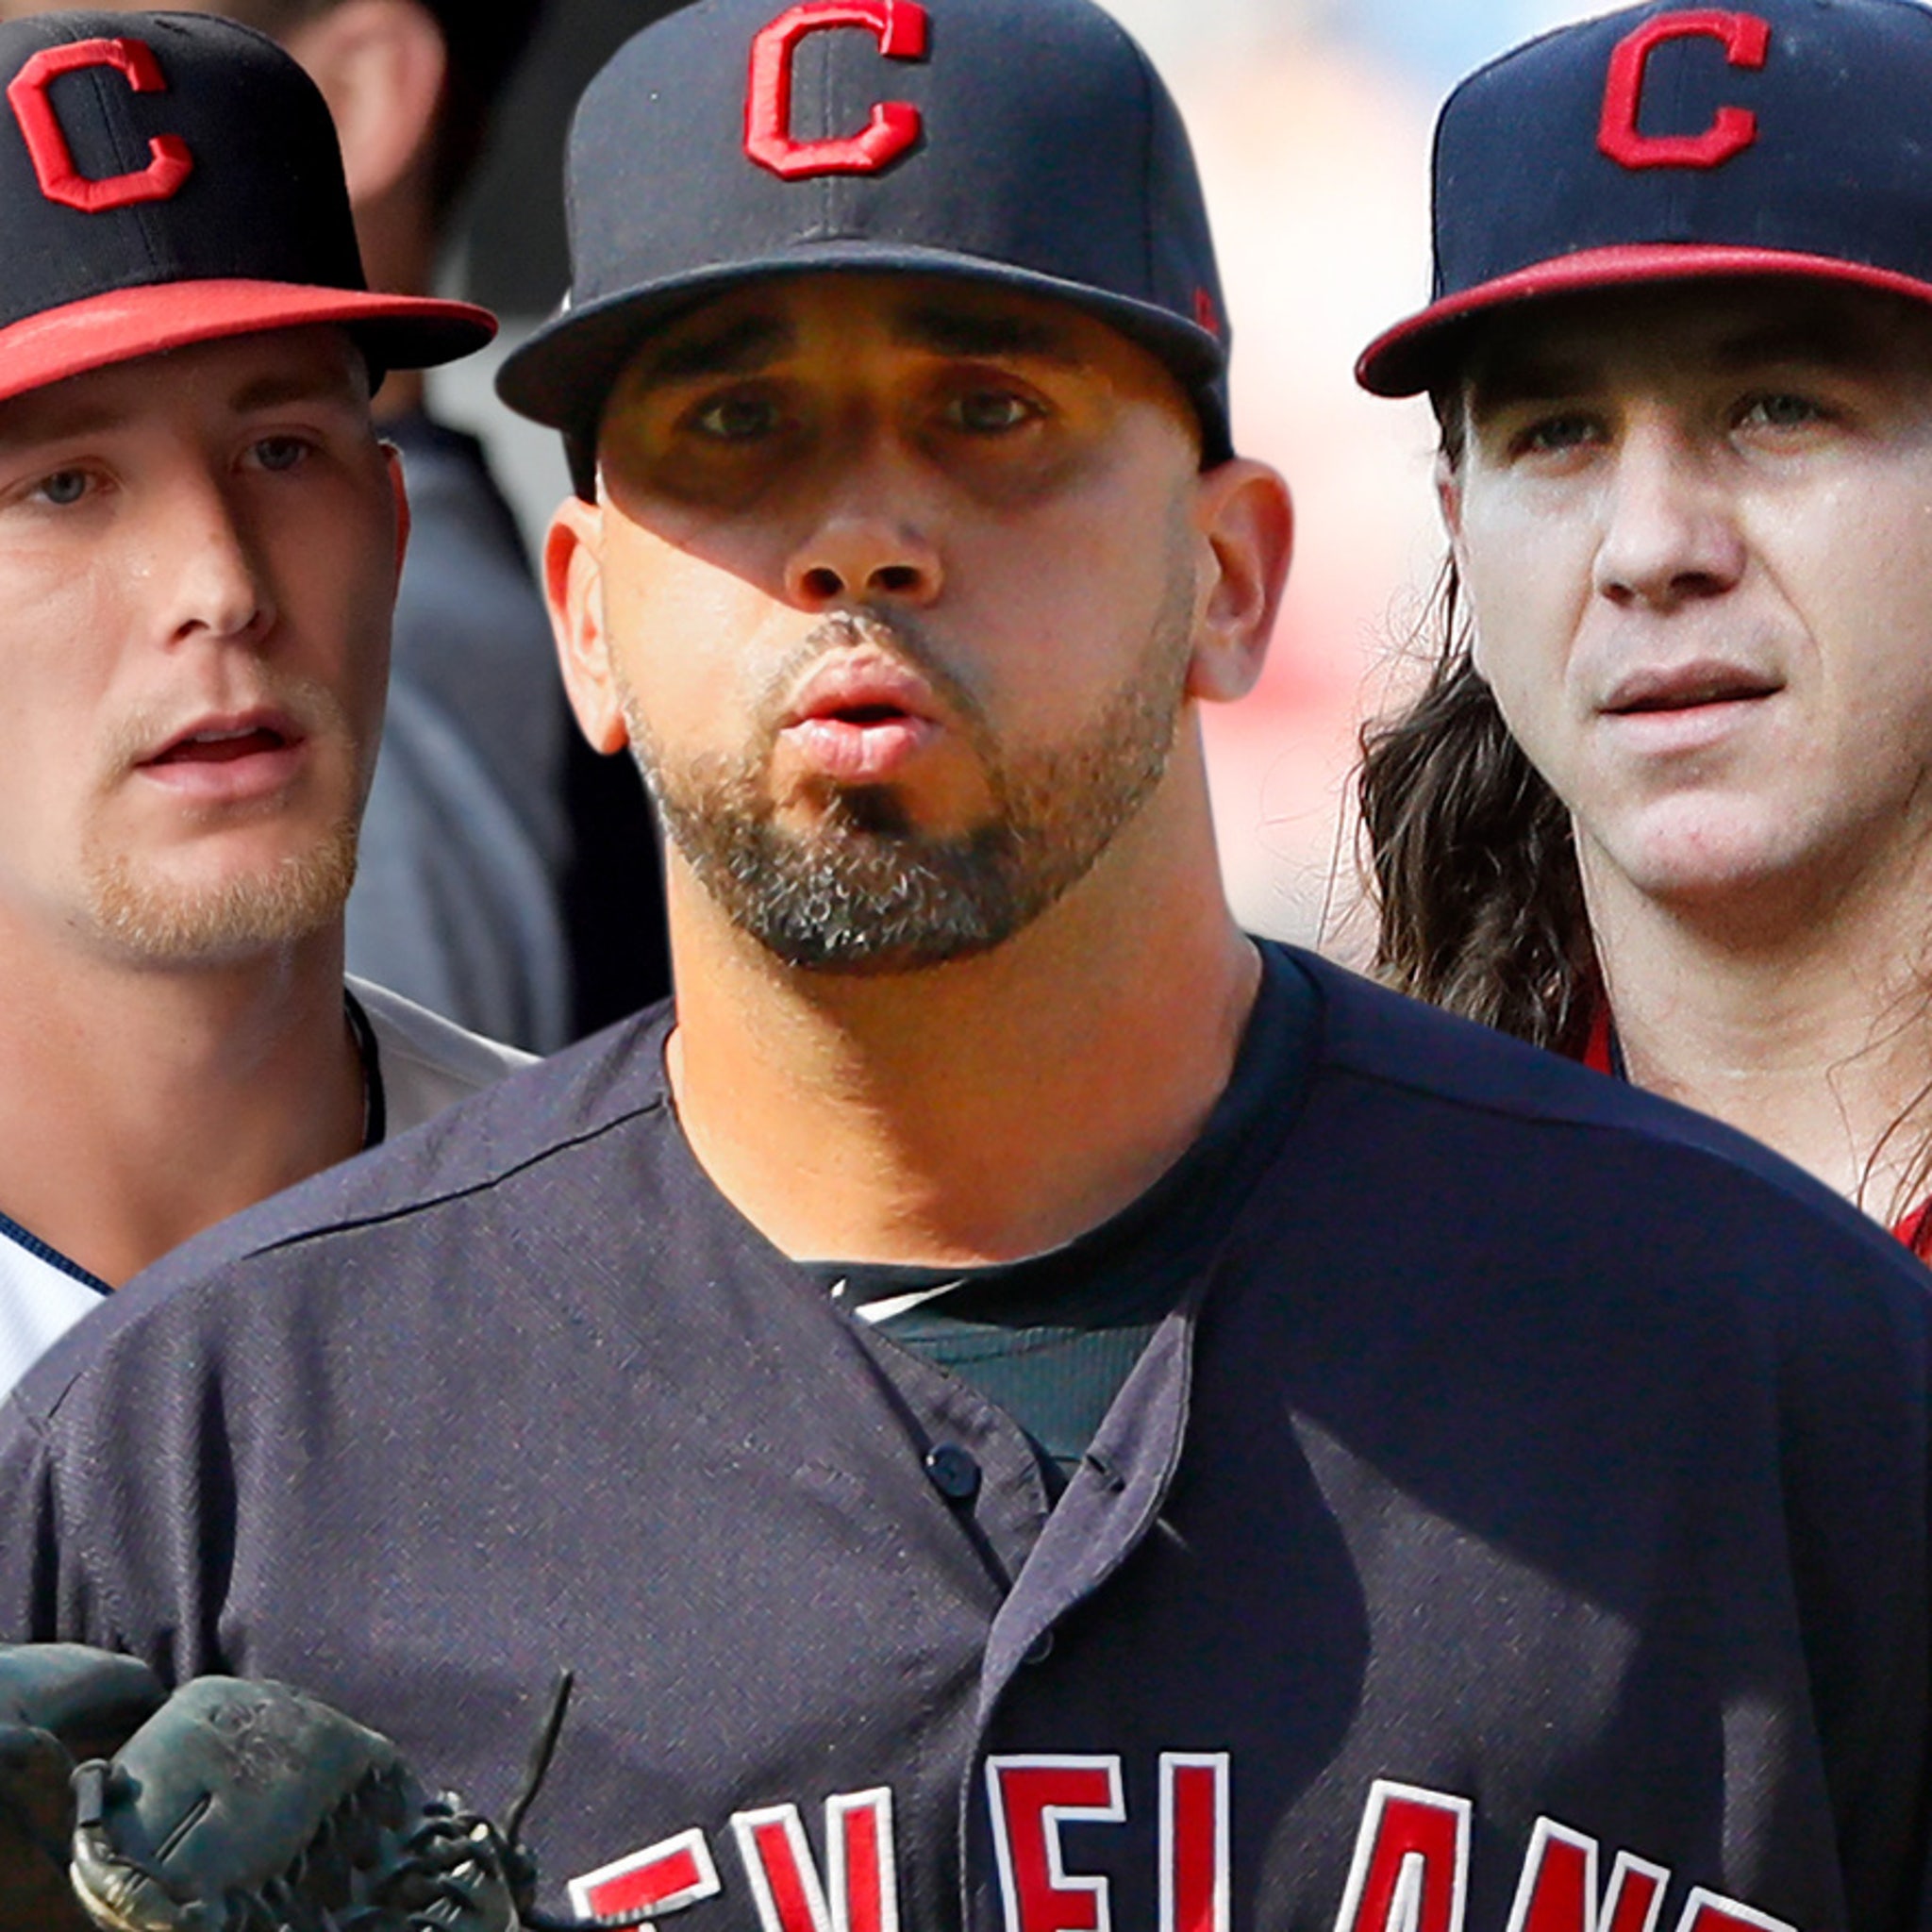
<point x="153" y="919"/>
<point x="136" y="909"/>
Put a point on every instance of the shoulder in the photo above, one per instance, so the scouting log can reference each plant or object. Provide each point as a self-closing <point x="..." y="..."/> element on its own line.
<point x="445" y="1206"/>
<point x="1488" y="1140"/>
<point x="428" y="1062"/>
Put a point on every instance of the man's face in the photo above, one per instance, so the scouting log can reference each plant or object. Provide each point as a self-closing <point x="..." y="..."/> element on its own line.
<point x="1695" y="528"/>
<point x="896" y="579"/>
<point x="198" y="558"/>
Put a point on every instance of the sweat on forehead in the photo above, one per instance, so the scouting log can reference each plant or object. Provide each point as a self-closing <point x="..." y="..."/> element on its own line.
<point x="736" y="140"/>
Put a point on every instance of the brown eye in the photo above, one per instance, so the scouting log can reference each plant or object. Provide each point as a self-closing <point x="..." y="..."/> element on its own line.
<point x="992" y="411"/>
<point x="738" y="419"/>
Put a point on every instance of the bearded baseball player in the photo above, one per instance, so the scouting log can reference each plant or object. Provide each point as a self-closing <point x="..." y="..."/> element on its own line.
<point x="199" y="540"/>
<point x="1023" y="1409"/>
<point x="1664" y="803"/>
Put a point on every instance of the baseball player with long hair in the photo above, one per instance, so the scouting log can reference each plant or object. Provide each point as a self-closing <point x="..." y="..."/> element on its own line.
<point x="1664" y="803"/>
<point x="1023" y="1409"/>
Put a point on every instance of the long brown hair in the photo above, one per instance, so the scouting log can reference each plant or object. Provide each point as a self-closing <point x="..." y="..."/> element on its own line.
<point x="1471" y="856"/>
<point x="1472" y="860"/>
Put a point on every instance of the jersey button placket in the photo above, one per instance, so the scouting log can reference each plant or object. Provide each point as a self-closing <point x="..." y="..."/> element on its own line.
<point x="954" y="1471"/>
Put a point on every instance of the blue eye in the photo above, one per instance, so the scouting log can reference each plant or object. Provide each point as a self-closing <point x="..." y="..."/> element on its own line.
<point x="281" y="453"/>
<point x="1781" y="411"/>
<point x="1558" y="433"/>
<point x="65" y="488"/>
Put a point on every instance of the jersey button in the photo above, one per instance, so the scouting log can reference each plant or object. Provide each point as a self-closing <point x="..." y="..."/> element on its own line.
<point x="954" y="1474"/>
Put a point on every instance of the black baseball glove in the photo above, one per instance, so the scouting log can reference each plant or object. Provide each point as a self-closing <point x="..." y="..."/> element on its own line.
<point x="250" y="1807"/>
<point x="58" y="1702"/>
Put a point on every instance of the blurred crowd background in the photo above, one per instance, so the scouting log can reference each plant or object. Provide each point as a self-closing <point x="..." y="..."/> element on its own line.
<point x="1311" y="118"/>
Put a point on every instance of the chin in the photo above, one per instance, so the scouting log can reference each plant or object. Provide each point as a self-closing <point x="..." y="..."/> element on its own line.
<point x="154" y="916"/>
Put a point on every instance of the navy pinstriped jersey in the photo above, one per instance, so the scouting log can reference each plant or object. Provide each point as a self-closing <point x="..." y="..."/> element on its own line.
<point x="1519" y="1526"/>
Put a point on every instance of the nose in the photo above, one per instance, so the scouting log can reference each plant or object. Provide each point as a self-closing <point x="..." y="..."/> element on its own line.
<point x="205" y="558"/>
<point x="1671" y="535"/>
<point x="867" y="538"/>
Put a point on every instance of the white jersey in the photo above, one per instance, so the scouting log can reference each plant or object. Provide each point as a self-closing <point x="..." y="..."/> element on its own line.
<point x="420" y="1064"/>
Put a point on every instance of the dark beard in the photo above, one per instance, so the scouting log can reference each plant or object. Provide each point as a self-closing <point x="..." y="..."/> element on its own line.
<point x="865" y="892"/>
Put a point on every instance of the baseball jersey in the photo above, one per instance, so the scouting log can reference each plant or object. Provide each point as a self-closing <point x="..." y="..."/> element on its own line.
<point x="1518" y="1521"/>
<point x="418" y="1063"/>
<point x="1603" y="1054"/>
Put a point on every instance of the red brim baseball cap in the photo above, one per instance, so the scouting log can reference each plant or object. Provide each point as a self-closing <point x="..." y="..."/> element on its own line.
<point x="1670" y="143"/>
<point x="168" y="179"/>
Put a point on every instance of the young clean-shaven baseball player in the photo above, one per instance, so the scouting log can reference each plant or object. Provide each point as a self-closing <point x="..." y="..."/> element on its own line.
<point x="1024" y="1409"/>
<point x="199" y="542"/>
<point x="1665" y="803"/>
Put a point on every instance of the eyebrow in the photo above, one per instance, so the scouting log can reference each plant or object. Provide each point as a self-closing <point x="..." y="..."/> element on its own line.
<point x="981" y="332"/>
<point x="277" y="390"/>
<point x="1529" y="378"/>
<point x="737" y="348"/>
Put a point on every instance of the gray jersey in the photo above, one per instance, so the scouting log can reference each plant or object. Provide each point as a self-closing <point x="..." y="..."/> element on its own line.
<point x="424" y="1063"/>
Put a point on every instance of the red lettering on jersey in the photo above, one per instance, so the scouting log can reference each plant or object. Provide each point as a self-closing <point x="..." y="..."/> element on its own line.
<point x="1030" y="1799"/>
<point x="1747" y="40"/>
<point x="899" y="27"/>
<point x="863" y="1892"/>
<point x="1193" y="1841"/>
<point x="1704" y="1911"/>
<point x="46" y="143"/>
<point x="667" y="1876"/>
<point x="1411" y="1863"/>
<point x="1557" y="1891"/>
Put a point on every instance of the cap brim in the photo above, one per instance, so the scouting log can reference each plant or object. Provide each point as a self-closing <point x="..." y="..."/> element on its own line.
<point x="398" y="331"/>
<point x="562" y="374"/>
<point x="1419" y="352"/>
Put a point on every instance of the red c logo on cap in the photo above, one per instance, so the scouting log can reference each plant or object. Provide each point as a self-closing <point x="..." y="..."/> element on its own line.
<point x="1745" y="40"/>
<point x="53" y="159"/>
<point x="897" y="25"/>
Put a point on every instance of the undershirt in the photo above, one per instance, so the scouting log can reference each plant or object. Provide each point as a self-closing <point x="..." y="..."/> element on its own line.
<point x="1050" y="1339"/>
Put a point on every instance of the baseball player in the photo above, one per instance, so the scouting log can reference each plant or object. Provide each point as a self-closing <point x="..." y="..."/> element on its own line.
<point x="1663" y="802"/>
<point x="465" y="896"/>
<point x="1024" y="1409"/>
<point x="199" y="540"/>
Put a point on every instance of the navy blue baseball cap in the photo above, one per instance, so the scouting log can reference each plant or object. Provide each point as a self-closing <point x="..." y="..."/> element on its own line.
<point x="1666" y="141"/>
<point x="175" y="178"/>
<point x="1024" y="142"/>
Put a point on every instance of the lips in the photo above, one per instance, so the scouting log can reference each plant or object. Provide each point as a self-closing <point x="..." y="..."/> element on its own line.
<point x="224" y="741"/>
<point x="1688" y="688"/>
<point x="860" y="719"/>
<point x="862" y="691"/>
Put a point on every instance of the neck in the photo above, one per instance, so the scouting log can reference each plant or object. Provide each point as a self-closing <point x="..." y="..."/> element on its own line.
<point x="1811" y="1033"/>
<point x="145" y="1105"/>
<point x="977" y="1111"/>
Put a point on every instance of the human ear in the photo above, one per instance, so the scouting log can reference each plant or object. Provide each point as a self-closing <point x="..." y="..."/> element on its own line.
<point x="573" y="589"/>
<point x="381" y="66"/>
<point x="1245" y="520"/>
<point x="393" y="457"/>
